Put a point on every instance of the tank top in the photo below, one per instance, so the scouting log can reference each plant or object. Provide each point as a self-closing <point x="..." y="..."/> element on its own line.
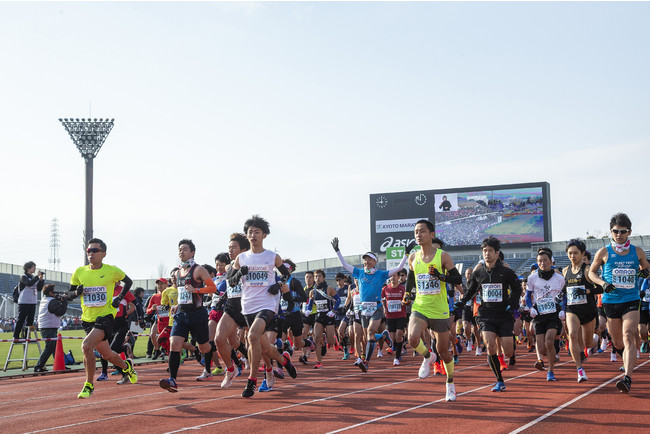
<point x="578" y="301"/>
<point x="431" y="299"/>
<point x="188" y="301"/>
<point x="322" y="301"/>
<point x="261" y="275"/>
<point x="621" y="271"/>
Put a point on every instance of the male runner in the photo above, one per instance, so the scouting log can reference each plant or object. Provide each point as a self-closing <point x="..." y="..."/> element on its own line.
<point x="96" y="282"/>
<point x="327" y="301"/>
<point x="623" y="264"/>
<point x="430" y="270"/>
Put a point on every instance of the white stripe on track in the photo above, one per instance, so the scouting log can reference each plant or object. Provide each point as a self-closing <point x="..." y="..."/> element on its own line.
<point x="566" y="404"/>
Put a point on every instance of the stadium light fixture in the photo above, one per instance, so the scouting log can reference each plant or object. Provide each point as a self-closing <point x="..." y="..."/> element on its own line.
<point x="88" y="136"/>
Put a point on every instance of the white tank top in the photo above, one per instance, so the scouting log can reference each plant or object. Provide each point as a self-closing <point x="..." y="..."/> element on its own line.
<point x="261" y="275"/>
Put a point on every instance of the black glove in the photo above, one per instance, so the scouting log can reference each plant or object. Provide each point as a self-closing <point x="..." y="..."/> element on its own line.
<point x="435" y="273"/>
<point x="642" y="294"/>
<point x="335" y="244"/>
<point x="608" y="287"/>
<point x="643" y="274"/>
<point x="274" y="289"/>
<point x="409" y="247"/>
<point x="116" y="301"/>
<point x="221" y="302"/>
<point x="459" y="305"/>
<point x="235" y="278"/>
<point x="559" y="298"/>
<point x="80" y="290"/>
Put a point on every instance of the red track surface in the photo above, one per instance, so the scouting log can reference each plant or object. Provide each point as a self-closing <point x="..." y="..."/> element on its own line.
<point x="339" y="397"/>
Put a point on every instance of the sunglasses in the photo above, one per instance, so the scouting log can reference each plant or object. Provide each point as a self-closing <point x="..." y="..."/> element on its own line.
<point x="620" y="231"/>
<point x="93" y="250"/>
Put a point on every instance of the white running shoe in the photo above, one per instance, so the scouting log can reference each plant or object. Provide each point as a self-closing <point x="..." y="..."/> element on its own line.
<point x="270" y="379"/>
<point x="470" y="347"/>
<point x="395" y="362"/>
<point x="358" y="361"/>
<point x="582" y="375"/>
<point x="205" y="376"/>
<point x="246" y="366"/>
<point x="227" y="379"/>
<point x="451" y="392"/>
<point x="380" y="354"/>
<point x="603" y="345"/>
<point x="478" y="351"/>
<point x="638" y="355"/>
<point x="425" y="368"/>
<point x="612" y="357"/>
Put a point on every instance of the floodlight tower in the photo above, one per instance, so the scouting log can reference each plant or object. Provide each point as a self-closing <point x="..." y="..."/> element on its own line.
<point x="88" y="136"/>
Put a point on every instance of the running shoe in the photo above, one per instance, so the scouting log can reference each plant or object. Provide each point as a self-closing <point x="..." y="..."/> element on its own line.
<point x="168" y="384"/>
<point x="499" y="387"/>
<point x="323" y="350"/>
<point x="502" y="363"/>
<point x="638" y="355"/>
<point x="395" y="362"/>
<point x="116" y="372"/>
<point x="451" y="392"/>
<point x="287" y="347"/>
<point x="199" y="357"/>
<point x="245" y="362"/>
<point x="289" y="366"/>
<point x="133" y="376"/>
<point x="155" y="354"/>
<point x="358" y="361"/>
<point x="346" y="354"/>
<point x="239" y="370"/>
<point x="479" y="352"/>
<point x="312" y="345"/>
<point x="612" y="357"/>
<point x="249" y="391"/>
<point x="455" y="359"/>
<point x="263" y="387"/>
<point x="557" y="358"/>
<point x="582" y="376"/>
<point x="218" y="370"/>
<point x="470" y="347"/>
<point x="380" y="354"/>
<point x="623" y="385"/>
<point x="603" y="345"/>
<point x="302" y="359"/>
<point x="550" y="376"/>
<point x="318" y="365"/>
<point x="437" y="369"/>
<point x="539" y="365"/>
<point x="123" y="380"/>
<point x="278" y="373"/>
<point x="425" y="367"/>
<point x="205" y="376"/>
<point x="389" y="350"/>
<point x="270" y="379"/>
<point x="387" y="338"/>
<point x="459" y="346"/>
<point x="363" y="366"/>
<point x="103" y="377"/>
<point x="227" y="379"/>
<point x="86" y="391"/>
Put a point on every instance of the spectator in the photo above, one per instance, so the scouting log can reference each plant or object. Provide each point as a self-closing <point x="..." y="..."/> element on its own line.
<point x="52" y="308"/>
<point x="29" y="286"/>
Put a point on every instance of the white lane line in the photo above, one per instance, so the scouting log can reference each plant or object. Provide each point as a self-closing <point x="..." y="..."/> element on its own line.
<point x="566" y="404"/>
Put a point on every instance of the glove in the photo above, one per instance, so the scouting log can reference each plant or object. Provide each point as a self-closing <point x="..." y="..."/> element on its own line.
<point x="330" y="314"/>
<point x="643" y="274"/>
<point x="533" y="312"/>
<point x="349" y="314"/>
<point x="642" y="294"/>
<point x="407" y="298"/>
<point x="435" y="273"/>
<point x="559" y="298"/>
<point x="608" y="287"/>
<point x="459" y="305"/>
<point x="409" y="247"/>
<point x="335" y="244"/>
<point x="235" y="278"/>
<point x="274" y="289"/>
<point x="116" y="301"/>
<point x="80" y="290"/>
<point x="561" y="315"/>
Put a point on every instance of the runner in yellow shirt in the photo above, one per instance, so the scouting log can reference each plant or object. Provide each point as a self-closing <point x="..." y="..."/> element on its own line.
<point x="96" y="282"/>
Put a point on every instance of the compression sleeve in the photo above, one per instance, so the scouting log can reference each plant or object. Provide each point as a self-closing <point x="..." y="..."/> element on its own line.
<point x="645" y="284"/>
<point x="127" y="286"/>
<point x="529" y="298"/>
<point x="286" y="296"/>
<point x="454" y="277"/>
<point x="337" y="299"/>
<point x="72" y="292"/>
<point x="399" y="267"/>
<point x="344" y="264"/>
<point x="209" y="288"/>
<point x="285" y="272"/>
<point x="410" y="282"/>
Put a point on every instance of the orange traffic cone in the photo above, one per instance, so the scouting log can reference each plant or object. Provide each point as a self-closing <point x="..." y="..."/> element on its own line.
<point x="59" y="359"/>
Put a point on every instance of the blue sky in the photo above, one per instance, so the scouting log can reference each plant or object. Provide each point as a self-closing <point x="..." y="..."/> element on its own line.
<point x="298" y="111"/>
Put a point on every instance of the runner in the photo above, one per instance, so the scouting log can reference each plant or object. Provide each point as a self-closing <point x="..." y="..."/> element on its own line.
<point x="308" y="315"/>
<point x="430" y="270"/>
<point x="327" y="301"/>
<point x="189" y="314"/>
<point x="581" y="310"/>
<point x="392" y="296"/>
<point x="341" y="319"/>
<point x="545" y="298"/>
<point x="162" y="316"/>
<point x="95" y="282"/>
<point x="260" y="299"/>
<point x="371" y="281"/>
<point x="500" y="291"/>
<point x="622" y="264"/>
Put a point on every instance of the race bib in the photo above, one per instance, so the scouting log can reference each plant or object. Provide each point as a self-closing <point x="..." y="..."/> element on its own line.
<point x="576" y="295"/>
<point x="94" y="296"/>
<point x="321" y="306"/>
<point x="492" y="292"/>
<point x="545" y="306"/>
<point x="161" y="312"/>
<point x="233" y="292"/>
<point x="284" y="304"/>
<point x="427" y="285"/>
<point x="368" y="308"/>
<point x="305" y="309"/>
<point x="258" y="275"/>
<point x="394" y="305"/>
<point x="184" y="296"/>
<point x="624" y="278"/>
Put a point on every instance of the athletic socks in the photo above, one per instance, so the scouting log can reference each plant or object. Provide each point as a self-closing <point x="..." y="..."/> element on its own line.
<point x="493" y="361"/>
<point x="449" y="367"/>
<point x="422" y="350"/>
<point x="370" y="347"/>
<point x="235" y="359"/>
<point x="174" y="363"/>
<point x="104" y="365"/>
<point x="398" y="349"/>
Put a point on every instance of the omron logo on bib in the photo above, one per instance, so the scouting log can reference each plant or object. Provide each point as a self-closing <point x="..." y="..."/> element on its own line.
<point x="94" y="296"/>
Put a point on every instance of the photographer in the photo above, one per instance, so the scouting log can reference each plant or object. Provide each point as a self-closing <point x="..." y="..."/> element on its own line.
<point x="53" y="307"/>
<point x="29" y="286"/>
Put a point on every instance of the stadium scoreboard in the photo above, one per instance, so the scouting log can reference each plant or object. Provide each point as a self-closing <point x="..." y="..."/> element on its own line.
<point x="517" y="214"/>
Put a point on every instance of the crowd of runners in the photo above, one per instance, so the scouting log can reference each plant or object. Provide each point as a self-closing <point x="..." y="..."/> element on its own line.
<point x="247" y="315"/>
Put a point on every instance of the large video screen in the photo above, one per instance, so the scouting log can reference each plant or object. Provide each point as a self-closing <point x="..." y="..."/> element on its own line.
<point x="517" y="214"/>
